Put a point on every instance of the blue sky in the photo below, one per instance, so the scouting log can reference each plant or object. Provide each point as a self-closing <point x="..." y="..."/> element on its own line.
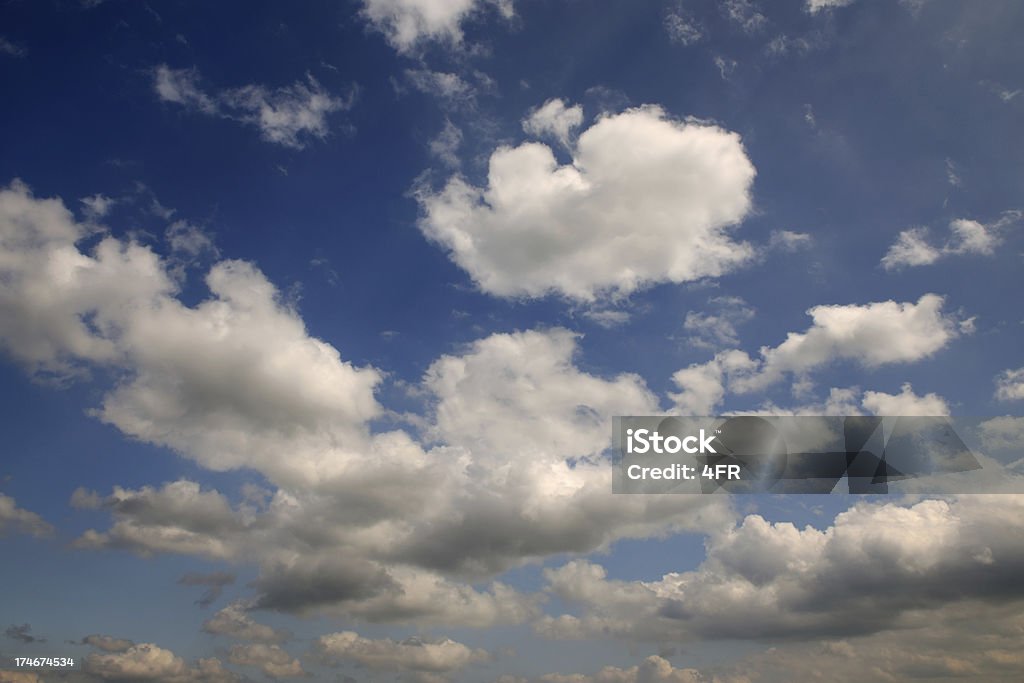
<point x="324" y="298"/>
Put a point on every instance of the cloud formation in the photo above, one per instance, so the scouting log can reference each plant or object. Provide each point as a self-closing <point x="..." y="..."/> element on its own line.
<point x="913" y="247"/>
<point x="911" y="331"/>
<point x="878" y="567"/>
<point x="430" y="659"/>
<point x="289" y="116"/>
<point x="19" y="520"/>
<point x="407" y="24"/>
<point x="1010" y="385"/>
<point x="539" y="228"/>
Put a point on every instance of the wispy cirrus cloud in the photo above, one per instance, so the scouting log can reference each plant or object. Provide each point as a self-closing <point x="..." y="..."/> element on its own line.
<point x="290" y="116"/>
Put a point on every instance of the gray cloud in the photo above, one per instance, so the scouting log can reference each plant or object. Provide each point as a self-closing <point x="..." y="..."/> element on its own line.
<point x="214" y="582"/>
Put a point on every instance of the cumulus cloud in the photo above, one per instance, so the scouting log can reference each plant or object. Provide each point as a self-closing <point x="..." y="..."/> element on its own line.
<point x="413" y="655"/>
<point x="956" y="643"/>
<point x="905" y="403"/>
<point x="913" y="247"/>
<point x="510" y="465"/>
<point x="912" y="331"/>
<point x="289" y="116"/>
<point x="654" y="669"/>
<point x="234" y="621"/>
<point x="1003" y="433"/>
<point x="878" y="567"/>
<point x="554" y="119"/>
<point x="148" y="662"/>
<point x="1010" y="385"/>
<point x="270" y="659"/>
<point x="407" y="24"/>
<point x="539" y="228"/>
<point x="19" y="520"/>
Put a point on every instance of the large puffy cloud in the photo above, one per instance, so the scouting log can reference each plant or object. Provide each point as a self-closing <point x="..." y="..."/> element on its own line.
<point x="414" y="655"/>
<point x="20" y="520"/>
<point x="288" y="116"/>
<point x="878" y="567"/>
<point x="646" y="199"/>
<point x="873" y="335"/>
<point x="408" y="23"/>
<point x="58" y="305"/>
<point x="369" y="524"/>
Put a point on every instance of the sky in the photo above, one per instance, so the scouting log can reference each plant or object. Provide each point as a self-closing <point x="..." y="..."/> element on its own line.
<point x="314" y="319"/>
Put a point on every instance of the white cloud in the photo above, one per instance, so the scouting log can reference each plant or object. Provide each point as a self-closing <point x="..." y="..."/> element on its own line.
<point x="417" y="655"/>
<point x="406" y="24"/>
<point x="1003" y="433"/>
<point x="1010" y="385"/>
<point x="905" y="403"/>
<point x="912" y="247"/>
<point x="235" y="622"/>
<point x="188" y="239"/>
<point x="451" y="88"/>
<point x="878" y="567"/>
<point x="514" y="468"/>
<point x="20" y="520"/>
<point x="446" y="145"/>
<point x="912" y="332"/>
<point x="270" y="659"/>
<point x="48" y="288"/>
<point x="745" y="14"/>
<point x="717" y="328"/>
<point x="653" y="669"/>
<point x="815" y="6"/>
<point x="288" y="116"/>
<point x="789" y="240"/>
<point x="540" y="228"/>
<point x="725" y="66"/>
<point x="553" y="119"/>
<point x="682" y="29"/>
<point x="148" y="662"/>
<point x="97" y="206"/>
